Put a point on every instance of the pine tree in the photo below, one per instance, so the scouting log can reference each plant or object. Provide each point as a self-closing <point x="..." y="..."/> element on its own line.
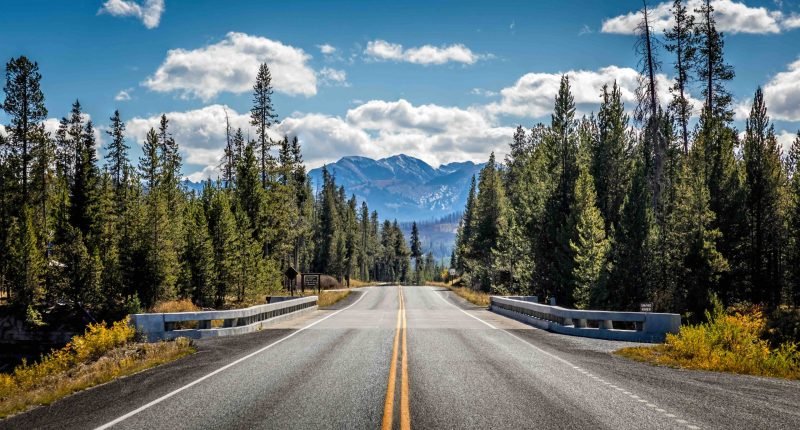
<point x="24" y="104"/>
<point x="793" y="209"/>
<point x="198" y="279"/>
<point x="682" y="41"/>
<point x="610" y="167"/>
<point x="490" y="218"/>
<point x="249" y="192"/>
<point x="222" y="229"/>
<point x="630" y="252"/>
<point x="463" y="243"/>
<point x="718" y="142"/>
<point x="26" y="265"/>
<point x="416" y="249"/>
<point x="763" y="182"/>
<point x="262" y="116"/>
<point x="696" y="263"/>
<point x="84" y="194"/>
<point x="117" y="150"/>
<point x="170" y="159"/>
<point x="712" y="71"/>
<point x="554" y="258"/>
<point x="648" y="113"/>
<point x="159" y="247"/>
<point x="590" y="246"/>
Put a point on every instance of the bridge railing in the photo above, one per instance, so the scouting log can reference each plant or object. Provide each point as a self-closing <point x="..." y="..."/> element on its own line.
<point x="162" y="326"/>
<point x="648" y="326"/>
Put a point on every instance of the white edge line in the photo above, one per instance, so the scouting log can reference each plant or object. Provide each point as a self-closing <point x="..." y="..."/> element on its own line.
<point x="520" y="339"/>
<point x="227" y="366"/>
<point x="462" y="310"/>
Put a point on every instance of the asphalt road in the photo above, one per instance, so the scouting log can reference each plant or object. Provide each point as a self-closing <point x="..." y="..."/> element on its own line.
<point x="455" y="366"/>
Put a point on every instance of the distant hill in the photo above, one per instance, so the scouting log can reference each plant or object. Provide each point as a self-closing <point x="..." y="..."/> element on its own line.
<point x="403" y="187"/>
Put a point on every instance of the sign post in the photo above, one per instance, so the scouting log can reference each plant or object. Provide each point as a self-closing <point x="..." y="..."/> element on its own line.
<point x="452" y="273"/>
<point x="311" y="280"/>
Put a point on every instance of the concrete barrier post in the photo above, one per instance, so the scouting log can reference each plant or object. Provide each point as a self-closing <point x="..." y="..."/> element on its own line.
<point x="607" y="325"/>
<point x="150" y="324"/>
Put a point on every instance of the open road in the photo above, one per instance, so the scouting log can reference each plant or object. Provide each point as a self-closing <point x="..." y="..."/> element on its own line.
<point x="403" y="357"/>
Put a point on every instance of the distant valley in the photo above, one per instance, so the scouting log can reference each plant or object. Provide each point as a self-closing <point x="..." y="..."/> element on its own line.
<point x="408" y="189"/>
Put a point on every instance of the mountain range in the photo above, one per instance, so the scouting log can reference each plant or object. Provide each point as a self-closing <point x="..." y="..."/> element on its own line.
<point x="403" y="187"/>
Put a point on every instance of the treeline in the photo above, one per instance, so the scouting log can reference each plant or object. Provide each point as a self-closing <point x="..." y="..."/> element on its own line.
<point x="120" y="236"/>
<point x="351" y="242"/>
<point x="608" y="211"/>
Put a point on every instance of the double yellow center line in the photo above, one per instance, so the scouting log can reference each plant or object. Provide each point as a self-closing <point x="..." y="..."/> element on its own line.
<point x="388" y="406"/>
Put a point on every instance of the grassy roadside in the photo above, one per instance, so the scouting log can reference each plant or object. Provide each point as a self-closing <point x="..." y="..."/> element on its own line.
<point x="729" y="342"/>
<point x="329" y="298"/>
<point x="477" y="298"/>
<point x="98" y="356"/>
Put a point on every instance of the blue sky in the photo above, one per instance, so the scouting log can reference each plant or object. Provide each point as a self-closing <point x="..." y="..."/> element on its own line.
<point x="440" y="80"/>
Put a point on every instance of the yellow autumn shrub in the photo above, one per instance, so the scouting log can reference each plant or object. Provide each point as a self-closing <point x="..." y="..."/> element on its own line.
<point x="728" y="342"/>
<point x="99" y="355"/>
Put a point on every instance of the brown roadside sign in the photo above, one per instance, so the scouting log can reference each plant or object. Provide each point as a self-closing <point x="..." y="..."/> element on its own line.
<point x="290" y="272"/>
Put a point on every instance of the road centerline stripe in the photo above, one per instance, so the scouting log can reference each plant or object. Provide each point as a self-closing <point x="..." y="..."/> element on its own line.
<point x="223" y="368"/>
<point x="388" y="404"/>
<point x="405" y="414"/>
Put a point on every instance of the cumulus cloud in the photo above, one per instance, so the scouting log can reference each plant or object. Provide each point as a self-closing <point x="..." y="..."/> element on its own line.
<point x="436" y="134"/>
<point x="231" y="66"/>
<point x="533" y="94"/>
<point x="381" y="50"/>
<point x="331" y="76"/>
<point x="123" y="96"/>
<point x="326" y="49"/>
<point x="149" y="12"/>
<point x="785" y="139"/>
<point x="782" y="93"/>
<point x="731" y="16"/>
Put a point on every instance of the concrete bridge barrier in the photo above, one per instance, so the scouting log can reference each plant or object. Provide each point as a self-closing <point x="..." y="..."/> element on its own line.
<point x="165" y="326"/>
<point x="649" y="327"/>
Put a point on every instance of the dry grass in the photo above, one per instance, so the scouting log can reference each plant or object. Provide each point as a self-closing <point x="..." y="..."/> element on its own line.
<point x="355" y="283"/>
<point x="98" y="356"/>
<point x="727" y="343"/>
<point x="477" y="298"/>
<point x="328" y="298"/>
<point x="184" y="305"/>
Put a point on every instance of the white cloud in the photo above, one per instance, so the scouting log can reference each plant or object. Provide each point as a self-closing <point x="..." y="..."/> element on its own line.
<point x="792" y="21"/>
<point x="482" y="92"/>
<point x="436" y="134"/>
<point x="200" y="134"/>
<point x="326" y="49"/>
<point x="231" y="66"/>
<point x="331" y="76"/>
<point x="732" y="17"/>
<point x="782" y="94"/>
<point x="123" y="96"/>
<point x="149" y="13"/>
<point x="382" y="50"/>
<point x="533" y="94"/>
<point x="785" y="139"/>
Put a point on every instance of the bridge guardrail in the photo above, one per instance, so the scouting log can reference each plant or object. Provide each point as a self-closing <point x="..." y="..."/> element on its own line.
<point x="163" y="326"/>
<point x="650" y="327"/>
